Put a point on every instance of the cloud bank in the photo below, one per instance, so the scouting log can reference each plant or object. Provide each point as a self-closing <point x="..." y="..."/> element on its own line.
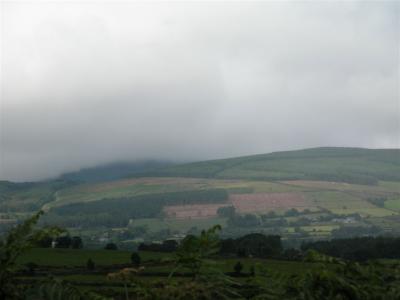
<point x="86" y="84"/>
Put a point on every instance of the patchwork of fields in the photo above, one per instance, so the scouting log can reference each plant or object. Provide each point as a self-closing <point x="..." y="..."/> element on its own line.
<point x="245" y="196"/>
<point x="328" y="187"/>
<point x="137" y="187"/>
<point x="375" y="204"/>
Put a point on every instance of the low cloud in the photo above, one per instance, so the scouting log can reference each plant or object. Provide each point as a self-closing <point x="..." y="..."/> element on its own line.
<point x="86" y="84"/>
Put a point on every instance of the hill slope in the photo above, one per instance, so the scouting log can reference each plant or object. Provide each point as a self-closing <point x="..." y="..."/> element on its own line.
<point x="352" y="165"/>
<point x="113" y="171"/>
<point x="158" y="201"/>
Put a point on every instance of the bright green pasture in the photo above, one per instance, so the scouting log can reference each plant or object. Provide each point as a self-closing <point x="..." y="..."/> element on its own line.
<point x="393" y="204"/>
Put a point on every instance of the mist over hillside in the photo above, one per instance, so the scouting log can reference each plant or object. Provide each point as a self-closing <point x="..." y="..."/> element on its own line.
<point x="114" y="171"/>
<point x="193" y="81"/>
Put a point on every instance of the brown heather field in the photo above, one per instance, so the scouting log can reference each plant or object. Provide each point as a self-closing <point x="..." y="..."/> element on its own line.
<point x="243" y="203"/>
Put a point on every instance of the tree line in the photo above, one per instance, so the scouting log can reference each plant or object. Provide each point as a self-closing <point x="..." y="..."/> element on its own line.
<point x="359" y="248"/>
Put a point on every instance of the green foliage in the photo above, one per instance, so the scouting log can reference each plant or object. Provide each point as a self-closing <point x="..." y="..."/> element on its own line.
<point x="129" y="278"/>
<point x="63" y="241"/>
<point x="314" y="256"/>
<point x="194" y="251"/>
<point x="253" y="245"/>
<point x="331" y="281"/>
<point x="19" y="240"/>
<point x="349" y="281"/>
<point x="202" y="289"/>
<point x="48" y="234"/>
<point x="358" y="249"/>
<point x="354" y="231"/>
<point x="317" y="277"/>
<point x="56" y="289"/>
<point x="76" y="242"/>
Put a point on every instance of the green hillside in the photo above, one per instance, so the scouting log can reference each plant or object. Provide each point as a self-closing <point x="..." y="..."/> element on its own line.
<point x="332" y="191"/>
<point x="352" y="165"/>
<point x="28" y="196"/>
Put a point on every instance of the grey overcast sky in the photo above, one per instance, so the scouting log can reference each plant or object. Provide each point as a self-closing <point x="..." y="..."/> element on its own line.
<point x="86" y="83"/>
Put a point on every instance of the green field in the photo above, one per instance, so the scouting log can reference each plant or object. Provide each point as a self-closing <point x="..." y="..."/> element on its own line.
<point x="70" y="266"/>
<point x="78" y="258"/>
<point x="393" y="204"/>
<point x="69" y="258"/>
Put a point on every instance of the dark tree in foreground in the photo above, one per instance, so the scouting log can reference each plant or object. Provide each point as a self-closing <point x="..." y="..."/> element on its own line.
<point x="111" y="246"/>
<point x="76" y="242"/>
<point x="238" y="267"/>
<point x="252" y="270"/>
<point x="90" y="265"/>
<point x="135" y="259"/>
<point x="30" y="268"/>
<point x="45" y="242"/>
<point x="17" y="242"/>
<point x="20" y="239"/>
<point x="63" y="241"/>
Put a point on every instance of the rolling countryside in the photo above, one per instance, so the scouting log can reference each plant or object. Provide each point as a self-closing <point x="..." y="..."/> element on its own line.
<point x="300" y="194"/>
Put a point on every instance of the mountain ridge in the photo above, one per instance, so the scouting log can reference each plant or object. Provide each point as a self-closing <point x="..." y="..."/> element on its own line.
<point x="345" y="164"/>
